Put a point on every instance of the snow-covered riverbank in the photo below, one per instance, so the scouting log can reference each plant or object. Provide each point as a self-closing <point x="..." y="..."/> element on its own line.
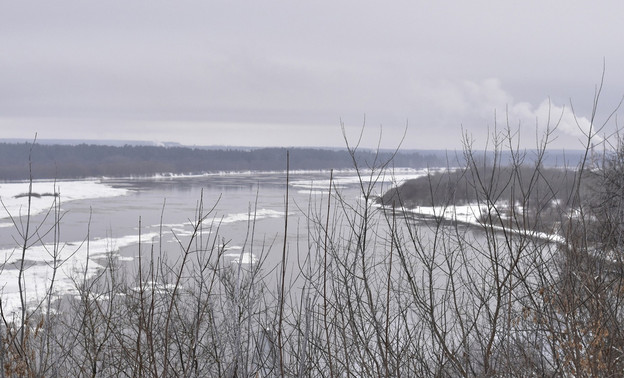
<point x="472" y="215"/>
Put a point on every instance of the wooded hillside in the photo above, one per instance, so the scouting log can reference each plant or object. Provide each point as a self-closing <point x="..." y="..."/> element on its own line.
<point x="66" y="161"/>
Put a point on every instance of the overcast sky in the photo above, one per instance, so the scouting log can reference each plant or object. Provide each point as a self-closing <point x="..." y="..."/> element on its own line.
<point x="287" y="73"/>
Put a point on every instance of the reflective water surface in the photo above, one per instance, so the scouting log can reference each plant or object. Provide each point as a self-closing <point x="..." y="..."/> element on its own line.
<point x="248" y="209"/>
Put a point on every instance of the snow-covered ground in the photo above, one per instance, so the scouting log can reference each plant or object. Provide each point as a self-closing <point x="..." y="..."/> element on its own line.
<point x="471" y="214"/>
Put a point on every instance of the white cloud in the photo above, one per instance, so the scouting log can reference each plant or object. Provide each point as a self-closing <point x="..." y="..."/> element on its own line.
<point x="477" y="104"/>
<point x="487" y="95"/>
<point x="563" y="118"/>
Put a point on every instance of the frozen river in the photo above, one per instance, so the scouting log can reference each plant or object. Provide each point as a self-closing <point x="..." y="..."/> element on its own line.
<point x="107" y="217"/>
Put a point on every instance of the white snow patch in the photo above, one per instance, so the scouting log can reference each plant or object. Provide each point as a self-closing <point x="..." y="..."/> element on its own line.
<point x="75" y="261"/>
<point x="241" y="257"/>
<point x="258" y="214"/>
<point x="471" y="214"/>
<point x="67" y="190"/>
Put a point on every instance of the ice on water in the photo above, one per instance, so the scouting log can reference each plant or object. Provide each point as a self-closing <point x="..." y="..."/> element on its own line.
<point x="11" y="194"/>
<point x="74" y="260"/>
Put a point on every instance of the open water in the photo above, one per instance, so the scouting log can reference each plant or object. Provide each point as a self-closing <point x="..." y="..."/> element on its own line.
<point x="111" y="216"/>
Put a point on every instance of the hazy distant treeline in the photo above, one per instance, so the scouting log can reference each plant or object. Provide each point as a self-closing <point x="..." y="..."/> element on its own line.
<point x="66" y="161"/>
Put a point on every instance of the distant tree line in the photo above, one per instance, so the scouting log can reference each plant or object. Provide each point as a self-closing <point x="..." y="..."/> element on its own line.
<point x="83" y="160"/>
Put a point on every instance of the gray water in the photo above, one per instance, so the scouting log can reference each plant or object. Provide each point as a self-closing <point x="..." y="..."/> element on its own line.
<point x="248" y="209"/>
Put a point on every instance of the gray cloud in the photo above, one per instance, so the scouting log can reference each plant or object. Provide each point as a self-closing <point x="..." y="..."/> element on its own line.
<point x="277" y="72"/>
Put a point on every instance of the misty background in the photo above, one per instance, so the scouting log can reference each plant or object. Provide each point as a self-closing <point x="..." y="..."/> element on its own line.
<point x="280" y="73"/>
